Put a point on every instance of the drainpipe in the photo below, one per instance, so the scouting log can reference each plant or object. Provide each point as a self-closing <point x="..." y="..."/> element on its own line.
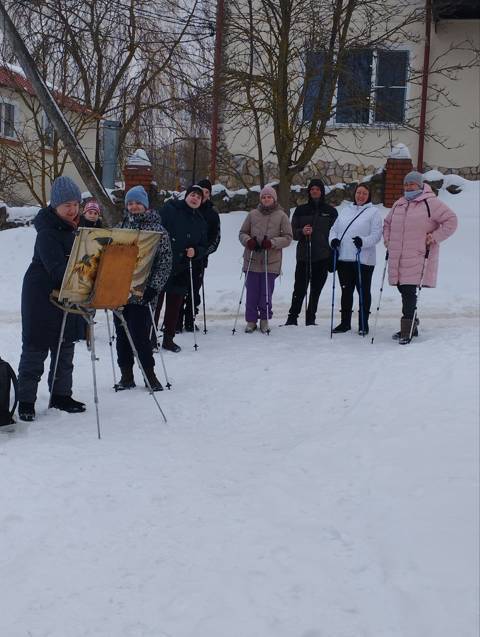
<point x="426" y="64"/>
<point x="216" y="88"/>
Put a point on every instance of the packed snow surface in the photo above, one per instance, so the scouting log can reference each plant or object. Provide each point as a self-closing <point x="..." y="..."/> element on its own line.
<point x="303" y="486"/>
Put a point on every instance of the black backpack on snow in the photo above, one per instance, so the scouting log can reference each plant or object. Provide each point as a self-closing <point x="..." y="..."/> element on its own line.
<point x="8" y="379"/>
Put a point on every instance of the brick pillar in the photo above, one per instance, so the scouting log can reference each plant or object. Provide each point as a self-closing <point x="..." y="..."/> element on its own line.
<point x="395" y="171"/>
<point x="137" y="176"/>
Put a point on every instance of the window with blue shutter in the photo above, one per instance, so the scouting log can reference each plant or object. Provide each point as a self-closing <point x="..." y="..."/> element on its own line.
<point x="313" y="79"/>
<point x="391" y="86"/>
<point x="354" y="87"/>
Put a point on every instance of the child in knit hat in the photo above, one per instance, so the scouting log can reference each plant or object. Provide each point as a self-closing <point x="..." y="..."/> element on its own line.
<point x="91" y="215"/>
<point x="264" y="233"/>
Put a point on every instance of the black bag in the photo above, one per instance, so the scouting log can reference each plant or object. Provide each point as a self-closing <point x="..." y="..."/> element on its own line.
<point x="8" y="379"/>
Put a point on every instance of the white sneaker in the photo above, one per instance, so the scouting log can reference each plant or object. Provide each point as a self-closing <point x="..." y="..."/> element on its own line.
<point x="251" y="327"/>
<point x="264" y="326"/>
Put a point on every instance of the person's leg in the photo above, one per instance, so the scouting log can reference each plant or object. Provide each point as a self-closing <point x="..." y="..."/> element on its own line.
<point x="346" y="275"/>
<point x="139" y="326"/>
<point x="366" y="274"/>
<point x="409" y="300"/>
<point x="172" y="308"/>
<point x="319" y="276"/>
<point x="124" y="350"/>
<point x="254" y="280"/>
<point x="299" y="290"/>
<point x="264" y="303"/>
<point x="30" y="371"/>
<point x="64" y="376"/>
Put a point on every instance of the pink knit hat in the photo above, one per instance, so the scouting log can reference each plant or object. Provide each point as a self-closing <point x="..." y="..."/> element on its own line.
<point x="268" y="190"/>
<point x="92" y="206"/>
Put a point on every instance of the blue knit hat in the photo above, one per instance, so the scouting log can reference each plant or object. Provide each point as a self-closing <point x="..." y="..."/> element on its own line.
<point x="138" y="194"/>
<point x="64" y="189"/>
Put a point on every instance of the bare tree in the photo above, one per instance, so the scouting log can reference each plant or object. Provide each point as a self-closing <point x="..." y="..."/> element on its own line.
<point x="283" y="64"/>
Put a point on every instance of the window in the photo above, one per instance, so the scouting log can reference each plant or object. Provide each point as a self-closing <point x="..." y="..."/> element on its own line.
<point x="371" y="87"/>
<point x="48" y="131"/>
<point x="7" y="120"/>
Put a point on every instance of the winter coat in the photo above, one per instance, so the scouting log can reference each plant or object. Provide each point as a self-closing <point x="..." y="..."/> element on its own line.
<point x="368" y="227"/>
<point x="405" y="229"/>
<point x="41" y="320"/>
<point x="212" y="219"/>
<point x="273" y="224"/>
<point x="321" y="217"/>
<point x="162" y="264"/>
<point x="187" y="229"/>
<point x="86" y="223"/>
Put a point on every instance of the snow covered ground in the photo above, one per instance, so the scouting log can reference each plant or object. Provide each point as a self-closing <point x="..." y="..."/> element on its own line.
<point x="303" y="487"/>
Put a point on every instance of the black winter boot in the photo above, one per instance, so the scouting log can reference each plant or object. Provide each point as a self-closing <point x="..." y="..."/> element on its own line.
<point x="346" y="323"/>
<point x="397" y="335"/>
<point x="170" y="345"/>
<point x="364" y="331"/>
<point x="155" y="384"/>
<point x="126" y="381"/>
<point x="26" y="411"/>
<point x="66" y="403"/>
<point x="291" y="320"/>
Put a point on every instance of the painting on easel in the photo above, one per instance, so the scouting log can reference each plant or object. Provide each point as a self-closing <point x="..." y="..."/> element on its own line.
<point x="79" y="279"/>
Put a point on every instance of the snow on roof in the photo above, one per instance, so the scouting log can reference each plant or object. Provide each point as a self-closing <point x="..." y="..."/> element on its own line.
<point x="400" y="151"/>
<point x="139" y="158"/>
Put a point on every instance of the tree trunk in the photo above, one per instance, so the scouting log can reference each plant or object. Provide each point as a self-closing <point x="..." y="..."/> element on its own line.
<point x="284" y="187"/>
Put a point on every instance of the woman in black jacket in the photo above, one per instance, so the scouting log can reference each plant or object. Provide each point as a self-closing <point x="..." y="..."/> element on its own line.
<point x="41" y="320"/>
<point x="188" y="236"/>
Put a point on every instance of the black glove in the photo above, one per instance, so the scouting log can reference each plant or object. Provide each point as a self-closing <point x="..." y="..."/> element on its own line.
<point x="149" y="294"/>
<point x="335" y="244"/>
<point x="358" y="242"/>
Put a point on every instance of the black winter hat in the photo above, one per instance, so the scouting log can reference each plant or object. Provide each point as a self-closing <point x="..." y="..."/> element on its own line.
<point x="206" y="183"/>
<point x="194" y="188"/>
<point x="319" y="184"/>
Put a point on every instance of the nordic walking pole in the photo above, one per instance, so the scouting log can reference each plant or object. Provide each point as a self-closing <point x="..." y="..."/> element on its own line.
<point x="242" y="292"/>
<point x="195" y="346"/>
<point x="360" y="293"/>
<point x="379" y="298"/>
<point x="267" y="300"/>
<point x="203" y="304"/>
<point x="424" y="269"/>
<point x="152" y="316"/>
<point x="308" y="273"/>
<point x="335" y="253"/>
<point x="110" y="343"/>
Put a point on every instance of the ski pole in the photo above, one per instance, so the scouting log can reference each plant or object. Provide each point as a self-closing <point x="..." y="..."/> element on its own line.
<point x="379" y="298"/>
<point x="195" y="346"/>
<point x="335" y="253"/>
<point x="168" y="385"/>
<point x="267" y="300"/>
<point x="203" y="304"/>
<point x="243" y="291"/>
<point x="424" y="269"/>
<point x="360" y="294"/>
<point x="308" y="273"/>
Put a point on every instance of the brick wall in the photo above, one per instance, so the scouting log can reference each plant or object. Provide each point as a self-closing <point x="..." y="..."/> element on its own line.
<point x="137" y="176"/>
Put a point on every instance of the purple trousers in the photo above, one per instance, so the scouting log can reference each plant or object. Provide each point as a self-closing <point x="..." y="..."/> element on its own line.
<point x="256" y="305"/>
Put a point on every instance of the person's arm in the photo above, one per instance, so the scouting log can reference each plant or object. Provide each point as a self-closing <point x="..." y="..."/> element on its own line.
<point x="375" y="231"/>
<point x="162" y="265"/>
<point x="297" y="229"/>
<point x="245" y="230"/>
<point x="386" y="228"/>
<point x="214" y="234"/>
<point x="52" y="255"/>
<point x="285" y="237"/>
<point x="446" y="219"/>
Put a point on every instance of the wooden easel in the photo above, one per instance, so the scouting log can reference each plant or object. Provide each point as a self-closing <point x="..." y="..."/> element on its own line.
<point x="111" y="291"/>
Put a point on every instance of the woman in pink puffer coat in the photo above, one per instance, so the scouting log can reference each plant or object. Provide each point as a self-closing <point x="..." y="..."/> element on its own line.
<point x="416" y="221"/>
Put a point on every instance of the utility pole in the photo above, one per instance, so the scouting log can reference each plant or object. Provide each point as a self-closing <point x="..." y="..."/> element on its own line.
<point x="217" y="67"/>
<point x="55" y="115"/>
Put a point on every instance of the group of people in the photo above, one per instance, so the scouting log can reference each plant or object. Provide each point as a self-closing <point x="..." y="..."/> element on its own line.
<point x="343" y="243"/>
